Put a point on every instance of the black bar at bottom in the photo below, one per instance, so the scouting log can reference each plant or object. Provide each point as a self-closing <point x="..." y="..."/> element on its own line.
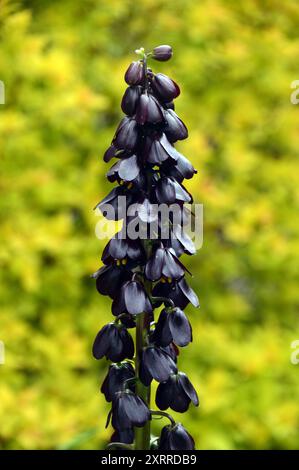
<point x="138" y="459"/>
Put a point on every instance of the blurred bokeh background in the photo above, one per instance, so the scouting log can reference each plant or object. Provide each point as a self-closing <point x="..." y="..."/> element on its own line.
<point x="62" y="63"/>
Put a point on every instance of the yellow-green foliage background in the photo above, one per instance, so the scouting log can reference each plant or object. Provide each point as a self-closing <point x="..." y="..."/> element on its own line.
<point x="63" y="63"/>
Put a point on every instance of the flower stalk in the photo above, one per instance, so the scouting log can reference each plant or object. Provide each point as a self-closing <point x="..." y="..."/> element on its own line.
<point x="142" y="273"/>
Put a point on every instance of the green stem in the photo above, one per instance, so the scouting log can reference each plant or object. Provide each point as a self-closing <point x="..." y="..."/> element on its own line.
<point x="142" y="435"/>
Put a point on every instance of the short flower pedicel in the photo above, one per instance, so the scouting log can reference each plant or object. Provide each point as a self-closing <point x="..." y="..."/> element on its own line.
<point x="142" y="273"/>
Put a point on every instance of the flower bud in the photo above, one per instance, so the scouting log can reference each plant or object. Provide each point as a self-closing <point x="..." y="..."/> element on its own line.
<point x="175" y="438"/>
<point x="130" y="99"/>
<point x="148" y="110"/>
<point x="162" y="53"/>
<point x="165" y="88"/>
<point x="134" y="73"/>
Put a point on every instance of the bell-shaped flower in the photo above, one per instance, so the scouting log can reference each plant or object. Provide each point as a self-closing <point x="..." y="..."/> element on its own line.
<point x="115" y="379"/>
<point x="180" y="169"/>
<point x="134" y="73"/>
<point x="172" y="326"/>
<point x="175" y="128"/>
<point x="123" y="248"/>
<point x="176" y="393"/>
<point x="115" y="205"/>
<point x="126" y="135"/>
<point x="164" y="87"/>
<point x="175" y="437"/>
<point x="155" y="364"/>
<point x="114" y="342"/>
<point x="164" y="263"/>
<point x="126" y="169"/>
<point x="148" y="110"/>
<point x="181" y="242"/>
<point x="130" y="100"/>
<point x="129" y="410"/>
<point x="159" y="149"/>
<point x="132" y="299"/>
<point x="109" y="279"/>
<point x="169" y="191"/>
<point x="178" y="291"/>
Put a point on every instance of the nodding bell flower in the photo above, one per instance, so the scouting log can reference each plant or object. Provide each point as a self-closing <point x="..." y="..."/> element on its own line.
<point x="148" y="110"/>
<point x="116" y="379"/>
<point x="164" y="263"/>
<point x="130" y="100"/>
<point x="156" y="364"/>
<point x="129" y="410"/>
<point x="165" y="88"/>
<point x="109" y="279"/>
<point x="177" y="291"/>
<point x="123" y="249"/>
<point x="175" y="438"/>
<point x="142" y="269"/>
<point x="125" y="170"/>
<point x="175" y="128"/>
<point x="159" y="150"/>
<point x="114" y="342"/>
<point x="134" y="73"/>
<point x="176" y="393"/>
<point x="126" y="135"/>
<point x="179" y="169"/>
<point x="169" y="191"/>
<point x="132" y="299"/>
<point x="172" y="326"/>
<point x="162" y="53"/>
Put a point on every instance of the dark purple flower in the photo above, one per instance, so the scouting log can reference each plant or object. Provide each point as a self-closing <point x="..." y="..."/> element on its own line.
<point x="164" y="87"/>
<point x="134" y="73"/>
<point x="114" y="342"/>
<point x="175" y="438"/>
<point x="121" y="248"/>
<point x="148" y="110"/>
<point x="126" y="169"/>
<point x="109" y="279"/>
<point x="176" y="393"/>
<point x="162" y="53"/>
<point x="132" y="299"/>
<point x="129" y="410"/>
<point x="126" y="135"/>
<point x="115" y="379"/>
<point x="159" y="150"/>
<point x="175" y="128"/>
<point x="169" y="191"/>
<point x="112" y="152"/>
<point x="114" y="206"/>
<point x="178" y="291"/>
<point x="173" y="325"/>
<point x="181" y="242"/>
<point x="156" y="364"/>
<point x="130" y="99"/>
<point x="180" y="169"/>
<point x="164" y="263"/>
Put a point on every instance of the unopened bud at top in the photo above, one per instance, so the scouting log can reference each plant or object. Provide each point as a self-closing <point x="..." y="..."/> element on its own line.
<point x="162" y="53"/>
